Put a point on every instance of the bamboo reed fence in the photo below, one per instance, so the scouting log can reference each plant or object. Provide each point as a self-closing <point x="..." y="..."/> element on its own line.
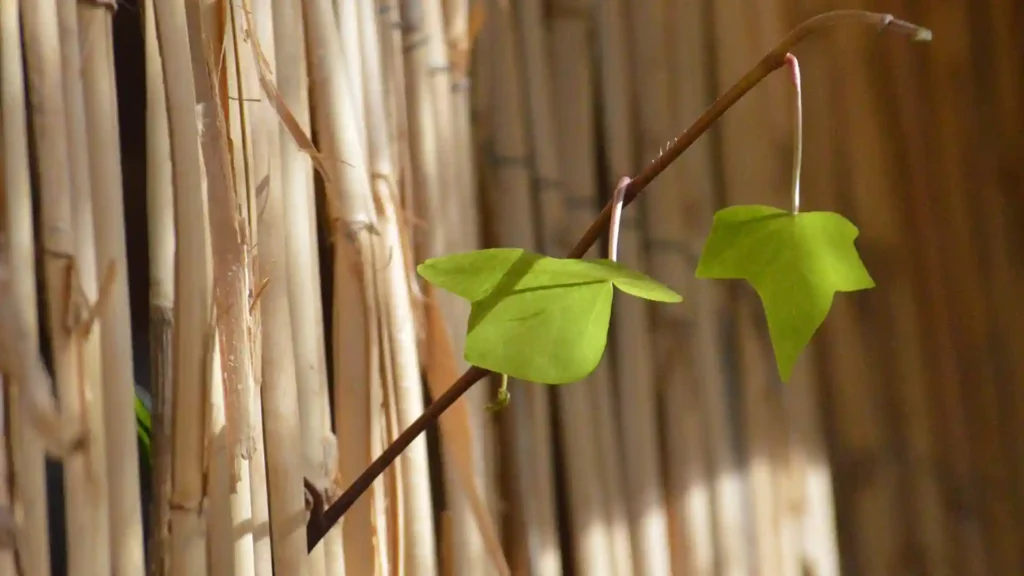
<point x="223" y="203"/>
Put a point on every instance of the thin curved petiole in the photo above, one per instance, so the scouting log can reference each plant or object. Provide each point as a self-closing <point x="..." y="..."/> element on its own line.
<point x="615" y="223"/>
<point x="798" y="128"/>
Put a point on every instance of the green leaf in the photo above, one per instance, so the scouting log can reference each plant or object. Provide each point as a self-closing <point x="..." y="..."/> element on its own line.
<point x="142" y="415"/>
<point x="795" y="262"/>
<point x="472" y="275"/>
<point x="629" y="281"/>
<point x="550" y="334"/>
<point x="534" y="317"/>
<point x="144" y="426"/>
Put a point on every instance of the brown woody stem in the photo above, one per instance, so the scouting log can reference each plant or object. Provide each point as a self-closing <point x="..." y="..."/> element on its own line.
<point x="319" y="524"/>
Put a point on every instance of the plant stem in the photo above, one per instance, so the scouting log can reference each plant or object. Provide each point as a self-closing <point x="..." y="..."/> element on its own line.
<point x="615" y="222"/>
<point x="319" y="524"/>
<point x="798" y="128"/>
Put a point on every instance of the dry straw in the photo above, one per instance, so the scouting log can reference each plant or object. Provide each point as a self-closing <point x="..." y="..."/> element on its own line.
<point x="193" y="306"/>
<point x="7" y="522"/>
<point x="97" y="52"/>
<point x="26" y="384"/>
<point x="383" y="178"/>
<point x="69" y="272"/>
<point x="161" y="244"/>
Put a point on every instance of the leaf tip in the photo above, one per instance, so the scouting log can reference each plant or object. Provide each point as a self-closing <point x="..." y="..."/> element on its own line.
<point x="785" y="371"/>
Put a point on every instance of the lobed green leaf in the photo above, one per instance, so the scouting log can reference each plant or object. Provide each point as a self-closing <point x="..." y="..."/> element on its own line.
<point x="795" y="262"/>
<point x="534" y="317"/>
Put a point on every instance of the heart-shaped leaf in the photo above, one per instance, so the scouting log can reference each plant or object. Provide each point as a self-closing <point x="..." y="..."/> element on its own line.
<point x="795" y="262"/>
<point x="534" y="317"/>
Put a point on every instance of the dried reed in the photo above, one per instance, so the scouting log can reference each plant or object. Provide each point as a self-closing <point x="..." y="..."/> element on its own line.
<point x="193" y="340"/>
<point x="160" y="220"/>
<point x="8" y="527"/>
<point x="97" y="52"/>
<point x="26" y="445"/>
<point x="69" y="271"/>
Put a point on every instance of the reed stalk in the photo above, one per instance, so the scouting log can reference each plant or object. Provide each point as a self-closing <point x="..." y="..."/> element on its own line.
<point x="97" y="50"/>
<point x="632" y="334"/>
<point x="303" y="264"/>
<point x="424" y="178"/>
<point x="667" y="261"/>
<point x="26" y="444"/>
<point x="691" y="91"/>
<point x="432" y="73"/>
<point x="403" y="375"/>
<point x="463" y="21"/>
<point x="280" y="393"/>
<point x="228" y="420"/>
<point x="263" y="555"/>
<point x="160" y="229"/>
<point x="393" y="483"/>
<point x="572" y="74"/>
<point x="716" y="485"/>
<point x="392" y="61"/>
<point x="428" y="69"/>
<point x="351" y="218"/>
<point x="856" y="428"/>
<point x="389" y="512"/>
<point x="282" y="39"/>
<point x="1005" y="310"/>
<point x="355" y="292"/>
<point x="236" y="89"/>
<point x="512" y="209"/>
<point x="635" y="351"/>
<point x="746" y="178"/>
<point x="287" y="45"/>
<point x="69" y="270"/>
<point x="355" y="242"/>
<point x="263" y="562"/>
<point x="254" y="213"/>
<point x="467" y="432"/>
<point x="8" y="526"/>
<point x="972" y="547"/>
<point x="384" y="179"/>
<point x="964" y="274"/>
<point x="535" y="483"/>
<point x="425" y="167"/>
<point x="193" y="333"/>
<point x="352" y="62"/>
<point x="224" y="554"/>
<point x="385" y="516"/>
<point x="877" y="210"/>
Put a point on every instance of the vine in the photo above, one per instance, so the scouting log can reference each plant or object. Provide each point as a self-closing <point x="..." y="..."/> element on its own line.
<point x="545" y="320"/>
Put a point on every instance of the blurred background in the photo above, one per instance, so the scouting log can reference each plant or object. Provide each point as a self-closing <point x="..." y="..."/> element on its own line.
<point x="450" y="125"/>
